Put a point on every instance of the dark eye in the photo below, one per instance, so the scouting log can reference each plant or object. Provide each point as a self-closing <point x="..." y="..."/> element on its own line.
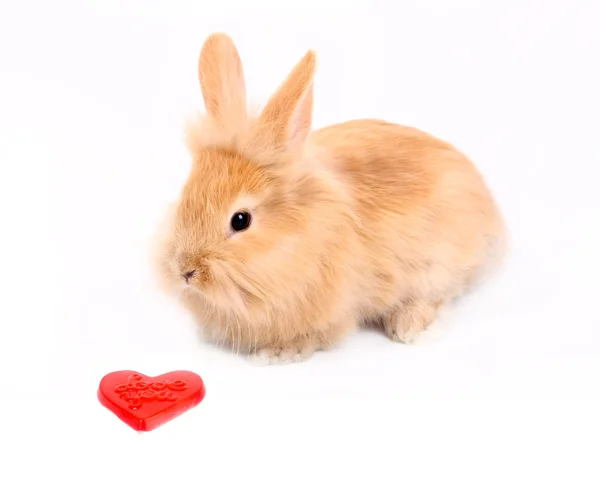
<point x="240" y="221"/>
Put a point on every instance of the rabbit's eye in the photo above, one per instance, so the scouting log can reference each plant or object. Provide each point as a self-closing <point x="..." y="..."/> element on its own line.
<point x="241" y="221"/>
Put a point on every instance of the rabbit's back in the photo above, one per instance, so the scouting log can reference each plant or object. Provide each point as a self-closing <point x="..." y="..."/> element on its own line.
<point x="429" y="223"/>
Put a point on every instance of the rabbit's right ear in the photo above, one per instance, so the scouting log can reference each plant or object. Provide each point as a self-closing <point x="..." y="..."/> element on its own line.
<point x="222" y="80"/>
<point x="286" y="119"/>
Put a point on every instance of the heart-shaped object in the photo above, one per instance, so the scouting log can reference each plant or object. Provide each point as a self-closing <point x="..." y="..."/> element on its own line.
<point x="145" y="403"/>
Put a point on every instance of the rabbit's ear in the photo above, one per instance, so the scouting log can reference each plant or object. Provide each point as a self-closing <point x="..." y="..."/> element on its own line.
<point x="287" y="116"/>
<point x="222" y="81"/>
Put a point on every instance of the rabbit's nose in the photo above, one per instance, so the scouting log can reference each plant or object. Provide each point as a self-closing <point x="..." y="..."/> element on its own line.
<point x="187" y="275"/>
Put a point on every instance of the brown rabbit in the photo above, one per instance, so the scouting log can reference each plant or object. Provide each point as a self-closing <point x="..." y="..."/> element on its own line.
<point x="285" y="240"/>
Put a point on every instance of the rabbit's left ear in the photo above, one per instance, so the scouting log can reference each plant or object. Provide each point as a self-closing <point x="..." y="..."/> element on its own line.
<point x="222" y="81"/>
<point x="287" y="116"/>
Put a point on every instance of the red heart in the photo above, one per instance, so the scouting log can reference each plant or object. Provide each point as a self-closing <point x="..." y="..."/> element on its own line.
<point x="145" y="403"/>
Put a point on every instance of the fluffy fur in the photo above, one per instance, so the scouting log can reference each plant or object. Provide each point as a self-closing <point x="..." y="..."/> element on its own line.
<point x="364" y="221"/>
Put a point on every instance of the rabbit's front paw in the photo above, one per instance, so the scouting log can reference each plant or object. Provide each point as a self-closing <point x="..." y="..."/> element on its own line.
<point x="285" y="353"/>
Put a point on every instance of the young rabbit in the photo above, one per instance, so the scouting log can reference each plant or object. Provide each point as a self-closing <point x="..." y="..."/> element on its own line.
<point x="285" y="239"/>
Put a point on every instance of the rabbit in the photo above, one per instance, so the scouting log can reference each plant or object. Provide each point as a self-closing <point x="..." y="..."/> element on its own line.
<point x="284" y="240"/>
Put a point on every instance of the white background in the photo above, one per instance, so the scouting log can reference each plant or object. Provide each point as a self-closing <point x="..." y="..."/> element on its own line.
<point x="93" y="96"/>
